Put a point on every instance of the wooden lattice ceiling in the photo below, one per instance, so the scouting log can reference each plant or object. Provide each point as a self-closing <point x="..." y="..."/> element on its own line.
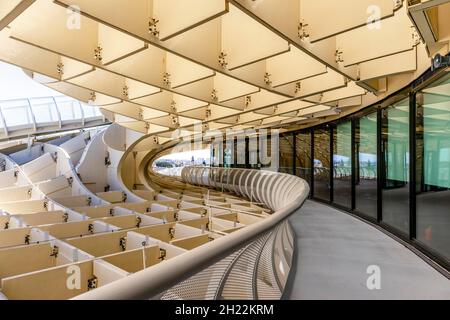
<point x="159" y="65"/>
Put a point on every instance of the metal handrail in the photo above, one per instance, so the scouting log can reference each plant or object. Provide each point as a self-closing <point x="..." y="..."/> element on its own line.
<point x="283" y="193"/>
<point x="33" y="124"/>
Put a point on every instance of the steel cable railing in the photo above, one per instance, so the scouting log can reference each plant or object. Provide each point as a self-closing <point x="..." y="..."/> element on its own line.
<point x="212" y="271"/>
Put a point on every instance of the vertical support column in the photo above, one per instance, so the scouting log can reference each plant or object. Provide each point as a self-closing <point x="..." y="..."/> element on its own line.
<point x="211" y="155"/>
<point x="33" y="117"/>
<point x="412" y="165"/>
<point x="58" y="113"/>
<point x="312" y="163"/>
<point x="294" y="153"/>
<point x="2" y="118"/>
<point x="247" y="154"/>
<point x="331" y="130"/>
<point x="222" y="147"/>
<point x="353" y="164"/>
<point x="83" y="119"/>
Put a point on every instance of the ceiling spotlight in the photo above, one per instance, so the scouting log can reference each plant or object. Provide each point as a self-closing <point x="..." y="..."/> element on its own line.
<point x="440" y="61"/>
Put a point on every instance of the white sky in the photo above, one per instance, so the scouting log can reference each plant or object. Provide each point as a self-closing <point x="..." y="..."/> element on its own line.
<point x="15" y="84"/>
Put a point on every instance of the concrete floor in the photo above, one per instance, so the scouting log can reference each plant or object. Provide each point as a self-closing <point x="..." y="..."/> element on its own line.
<point x="334" y="251"/>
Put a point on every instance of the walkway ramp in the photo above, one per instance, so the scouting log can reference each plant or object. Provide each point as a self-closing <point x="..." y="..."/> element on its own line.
<point x="335" y="249"/>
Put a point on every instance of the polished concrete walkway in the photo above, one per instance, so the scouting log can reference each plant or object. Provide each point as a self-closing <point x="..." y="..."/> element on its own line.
<point x="334" y="251"/>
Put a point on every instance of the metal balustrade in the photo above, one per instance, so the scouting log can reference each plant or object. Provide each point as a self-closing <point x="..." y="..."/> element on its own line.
<point x="251" y="263"/>
<point x="20" y="117"/>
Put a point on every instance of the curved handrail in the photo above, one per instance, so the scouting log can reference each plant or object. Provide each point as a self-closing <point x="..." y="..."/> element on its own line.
<point x="283" y="193"/>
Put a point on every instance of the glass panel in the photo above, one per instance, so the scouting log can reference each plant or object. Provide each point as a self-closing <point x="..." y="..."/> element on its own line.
<point x="322" y="164"/>
<point x="97" y="112"/>
<point x="366" y="162"/>
<point x="395" y="143"/>
<point x="264" y="152"/>
<point x="77" y="110"/>
<point x="69" y="109"/>
<point x="342" y="165"/>
<point x="16" y="113"/>
<point x="89" y="111"/>
<point x="253" y="152"/>
<point x="66" y="111"/>
<point x="217" y="154"/>
<point x="44" y="110"/>
<point x="228" y="158"/>
<point x="303" y="154"/>
<point x="172" y="164"/>
<point x="433" y="168"/>
<point x="287" y="154"/>
<point x="239" y="153"/>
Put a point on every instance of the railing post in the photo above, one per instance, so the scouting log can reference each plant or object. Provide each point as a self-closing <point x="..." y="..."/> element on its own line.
<point x="57" y="112"/>
<point x="83" y="119"/>
<point x="33" y="117"/>
<point x="5" y="128"/>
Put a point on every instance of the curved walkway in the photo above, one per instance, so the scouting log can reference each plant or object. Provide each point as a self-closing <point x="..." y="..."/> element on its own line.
<point x="334" y="251"/>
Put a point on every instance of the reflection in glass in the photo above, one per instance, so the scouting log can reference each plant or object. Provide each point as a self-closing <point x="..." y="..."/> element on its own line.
<point x="366" y="162"/>
<point x="395" y="143"/>
<point x="287" y="154"/>
<point x="172" y="164"/>
<point x="253" y="159"/>
<point x="322" y="164"/>
<point x="342" y="165"/>
<point x="228" y="157"/>
<point x="433" y="167"/>
<point x="303" y="154"/>
<point x="265" y="152"/>
<point x="239" y="150"/>
<point x="217" y="154"/>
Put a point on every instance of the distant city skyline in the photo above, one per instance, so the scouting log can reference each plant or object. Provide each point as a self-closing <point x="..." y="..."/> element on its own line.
<point x="182" y="156"/>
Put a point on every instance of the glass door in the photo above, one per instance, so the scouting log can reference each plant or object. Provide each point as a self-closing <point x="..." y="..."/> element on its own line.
<point x="322" y="164"/>
<point x="287" y="153"/>
<point x="342" y="165"/>
<point x="395" y="148"/>
<point x="366" y="187"/>
<point x="303" y="156"/>
<point x="433" y="167"/>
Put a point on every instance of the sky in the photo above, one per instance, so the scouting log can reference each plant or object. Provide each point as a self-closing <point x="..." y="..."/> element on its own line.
<point x="15" y="84"/>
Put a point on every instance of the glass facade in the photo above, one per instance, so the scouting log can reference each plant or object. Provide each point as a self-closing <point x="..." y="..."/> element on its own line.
<point x="395" y="146"/>
<point x="252" y="149"/>
<point x="287" y="154"/>
<point x="366" y="162"/>
<point x="322" y="164"/>
<point x="303" y="156"/>
<point x="371" y="162"/>
<point x="228" y="158"/>
<point x="342" y="164"/>
<point x="265" y="152"/>
<point x="433" y="167"/>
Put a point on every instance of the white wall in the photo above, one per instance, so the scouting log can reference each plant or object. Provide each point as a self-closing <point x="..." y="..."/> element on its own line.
<point x="92" y="164"/>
